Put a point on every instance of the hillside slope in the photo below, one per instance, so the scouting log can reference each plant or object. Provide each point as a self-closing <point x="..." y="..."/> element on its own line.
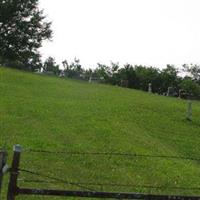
<point x="42" y="112"/>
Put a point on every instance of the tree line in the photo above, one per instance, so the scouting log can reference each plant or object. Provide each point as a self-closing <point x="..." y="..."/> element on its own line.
<point x="139" y="77"/>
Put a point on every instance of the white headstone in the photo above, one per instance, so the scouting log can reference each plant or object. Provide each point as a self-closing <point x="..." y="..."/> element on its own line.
<point x="150" y="88"/>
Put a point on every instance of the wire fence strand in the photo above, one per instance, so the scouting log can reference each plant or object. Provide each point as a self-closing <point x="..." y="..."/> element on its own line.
<point x="114" y="185"/>
<point x="55" y="179"/>
<point x="112" y="154"/>
<point x="87" y="185"/>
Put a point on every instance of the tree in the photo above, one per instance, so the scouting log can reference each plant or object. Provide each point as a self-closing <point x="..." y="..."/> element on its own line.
<point x="74" y="69"/>
<point x="127" y="76"/>
<point x="65" y="64"/>
<point x="193" y="70"/>
<point x="88" y="73"/>
<point x="77" y="66"/>
<point x="146" y="75"/>
<point x="191" y="87"/>
<point x="169" y="78"/>
<point x="22" y="30"/>
<point x="103" y="71"/>
<point x="51" y="66"/>
<point x="114" y="79"/>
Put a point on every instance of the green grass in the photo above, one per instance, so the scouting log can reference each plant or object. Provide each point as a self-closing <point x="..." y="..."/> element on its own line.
<point x="42" y="112"/>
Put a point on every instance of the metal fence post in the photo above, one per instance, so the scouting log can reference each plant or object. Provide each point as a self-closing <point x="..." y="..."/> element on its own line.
<point x="3" y="156"/>
<point x="12" y="187"/>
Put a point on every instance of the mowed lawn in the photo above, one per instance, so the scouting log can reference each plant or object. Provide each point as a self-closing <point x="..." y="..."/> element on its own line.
<point x="54" y="114"/>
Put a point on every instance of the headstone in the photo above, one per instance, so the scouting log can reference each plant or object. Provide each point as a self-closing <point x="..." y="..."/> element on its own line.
<point x="170" y="91"/>
<point x="90" y="79"/>
<point x="182" y="94"/>
<point x="150" y="88"/>
<point x="124" y="83"/>
<point x="62" y="74"/>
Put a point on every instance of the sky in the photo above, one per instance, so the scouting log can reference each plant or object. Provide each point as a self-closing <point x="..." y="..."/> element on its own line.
<point x="147" y="32"/>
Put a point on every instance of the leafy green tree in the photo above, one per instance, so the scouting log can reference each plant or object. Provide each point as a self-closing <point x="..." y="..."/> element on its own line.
<point x="191" y="87"/>
<point x="74" y="69"/>
<point x="146" y="75"/>
<point x="193" y="70"/>
<point x="103" y="71"/>
<point x="77" y="67"/>
<point x="169" y="78"/>
<point x="127" y="76"/>
<point x="88" y="73"/>
<point x="65" y="64"/>
<point x="51" y="66"/>
<point x="114" y="78"/>
<point x="67" y="68"/>
<point x="22" y="29"/>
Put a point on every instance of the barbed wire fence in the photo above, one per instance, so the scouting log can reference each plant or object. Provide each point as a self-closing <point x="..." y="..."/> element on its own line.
<point x="88" y="189"/>
<point x="111" y="154"/>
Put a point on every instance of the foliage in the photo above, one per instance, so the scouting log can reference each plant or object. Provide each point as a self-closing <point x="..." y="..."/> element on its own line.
<point x="73" y="70"/>
<point x="22" y="29"/>
<point x="190" y="87"/>
<point x="87" y="73"/>
<point x="51" y="66"/>
<point x="138" y="76"/>
<point x="127" y="74"/>
<point x="103" y="71"/>
<point x="146" y="75"/>
<point x="193" y="70"/>
<point x="169" y="78"/>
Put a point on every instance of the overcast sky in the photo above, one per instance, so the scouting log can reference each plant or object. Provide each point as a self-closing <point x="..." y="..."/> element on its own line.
<point x="148" y="32"/>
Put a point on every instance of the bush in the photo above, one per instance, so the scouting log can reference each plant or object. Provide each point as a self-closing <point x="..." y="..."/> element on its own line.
<point x="191" y="87"/>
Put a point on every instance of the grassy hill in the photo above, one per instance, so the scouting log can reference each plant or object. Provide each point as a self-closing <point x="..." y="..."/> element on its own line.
<point x="49" y="113"/>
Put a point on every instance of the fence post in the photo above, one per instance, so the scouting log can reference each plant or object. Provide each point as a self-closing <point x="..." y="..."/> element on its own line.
<point x="3" y="156"/>
<point x="189" y="111"/>
<point x="12" y="187"/>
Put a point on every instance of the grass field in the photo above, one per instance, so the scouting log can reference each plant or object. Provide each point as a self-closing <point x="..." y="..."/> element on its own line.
<point x="43" y="112"/>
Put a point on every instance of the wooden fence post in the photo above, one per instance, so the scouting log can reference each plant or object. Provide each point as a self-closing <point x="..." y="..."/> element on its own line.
<point x="3" y="156"/>
<point x="12" y="187"/>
